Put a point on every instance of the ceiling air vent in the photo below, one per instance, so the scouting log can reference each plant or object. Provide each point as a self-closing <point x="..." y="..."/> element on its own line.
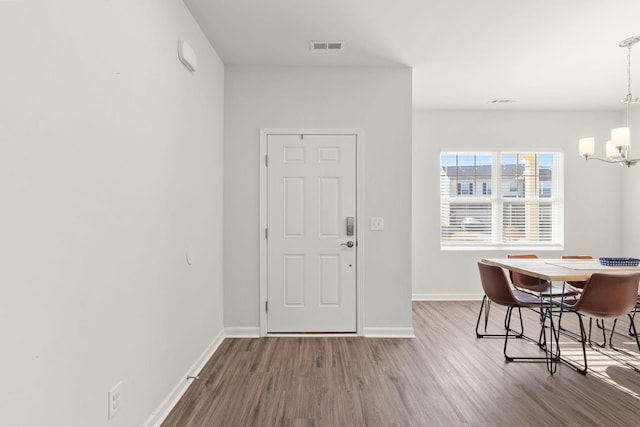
<point x="326" y="45"/>
<point x="501" y="101"/>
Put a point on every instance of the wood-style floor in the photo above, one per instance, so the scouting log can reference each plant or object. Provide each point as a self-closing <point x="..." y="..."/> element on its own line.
<point x="444" y="377"/>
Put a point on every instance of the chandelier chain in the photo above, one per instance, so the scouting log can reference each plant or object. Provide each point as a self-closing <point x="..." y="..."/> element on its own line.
<point x="629" y="99"/>
<point x="629" y="96"/>
<point x="629" y="73"/>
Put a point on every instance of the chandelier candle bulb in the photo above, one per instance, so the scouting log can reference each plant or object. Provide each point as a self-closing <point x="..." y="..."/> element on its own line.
<point x="612" y="152"/>
<point x="621" y="137"/>
<point x="587" y="146"/>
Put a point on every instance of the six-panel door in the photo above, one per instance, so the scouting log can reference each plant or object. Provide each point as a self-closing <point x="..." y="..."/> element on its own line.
<point x="311" y="267"/>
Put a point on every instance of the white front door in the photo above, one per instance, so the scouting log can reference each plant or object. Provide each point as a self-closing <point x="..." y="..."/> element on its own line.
<point x="311" y="233"/>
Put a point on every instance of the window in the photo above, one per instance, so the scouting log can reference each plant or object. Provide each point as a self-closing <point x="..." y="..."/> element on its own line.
<point x="545" y="188"/>
<point x="525" y="211"/>
<point x="465" y="189"/>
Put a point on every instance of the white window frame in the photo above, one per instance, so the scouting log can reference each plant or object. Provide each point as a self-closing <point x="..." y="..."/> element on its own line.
<point x="497" y="202"/>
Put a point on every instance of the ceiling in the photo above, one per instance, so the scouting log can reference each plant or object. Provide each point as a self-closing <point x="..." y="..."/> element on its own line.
<point x="544" y="54"/>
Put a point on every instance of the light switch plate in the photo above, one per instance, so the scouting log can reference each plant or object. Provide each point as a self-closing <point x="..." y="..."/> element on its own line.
<point x="376" y="224"/>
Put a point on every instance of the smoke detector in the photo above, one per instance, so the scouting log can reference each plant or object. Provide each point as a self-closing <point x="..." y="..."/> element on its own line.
<point x="326" y="45"/>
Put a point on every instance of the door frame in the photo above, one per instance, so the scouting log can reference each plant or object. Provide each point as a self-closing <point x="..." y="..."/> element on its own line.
<point x="359" y="135"/>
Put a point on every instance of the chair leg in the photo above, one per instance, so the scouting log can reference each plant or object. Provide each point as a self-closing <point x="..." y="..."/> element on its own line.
<point x="613" y="328"/>
<point x="507" y="336"/>
<point x="486" y="313"/>
<point x="542" y="338"/>
<point x="600" y="325"/>
<point x="484" y="301"/>
<point x="633" y="327"/>
<point x="604" y="336"/>
<point x="485" y="306"/>
<point x="583" y="339"/>
<point x="552" y="359"/>
<point x="584" y="349"/>
<point x="632" y="315"/>
<point x="521" y="333"/>
<point x="633" y="333"/>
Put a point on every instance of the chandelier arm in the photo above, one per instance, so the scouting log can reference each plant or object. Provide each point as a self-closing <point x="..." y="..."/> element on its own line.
<point x="622" y="162"/>
<point x="604" y="160"/>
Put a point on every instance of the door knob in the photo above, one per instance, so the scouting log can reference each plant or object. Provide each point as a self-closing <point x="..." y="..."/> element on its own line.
<point x="349" y="244"/>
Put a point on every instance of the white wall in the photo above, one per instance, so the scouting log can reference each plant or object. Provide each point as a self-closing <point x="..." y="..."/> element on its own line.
<point x="377" y="100"/>
<point x="630" y="195"/>
<point x="592" y="189"/>
<point x="110" y="167"/>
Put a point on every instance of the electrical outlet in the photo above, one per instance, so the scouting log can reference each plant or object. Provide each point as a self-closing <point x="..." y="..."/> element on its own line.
<point x="376" y="224"/>
<point x="115" y="399"/>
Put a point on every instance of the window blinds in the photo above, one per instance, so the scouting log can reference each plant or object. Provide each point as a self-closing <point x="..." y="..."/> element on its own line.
<point x="501" y="199"/>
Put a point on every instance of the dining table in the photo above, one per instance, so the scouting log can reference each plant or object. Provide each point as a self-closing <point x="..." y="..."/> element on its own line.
<point x="557" y="270"/>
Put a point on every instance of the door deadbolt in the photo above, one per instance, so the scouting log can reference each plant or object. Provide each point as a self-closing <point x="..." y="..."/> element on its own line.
<point x="350" y="225"/>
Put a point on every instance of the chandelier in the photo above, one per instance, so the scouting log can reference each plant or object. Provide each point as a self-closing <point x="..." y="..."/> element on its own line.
<point x="618" y="149"/>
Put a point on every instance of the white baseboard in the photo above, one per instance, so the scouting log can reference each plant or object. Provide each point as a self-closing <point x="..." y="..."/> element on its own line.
<point x="389" y="333"/>
<point x="254" y="332"/>
<point x="242" y="332"/>
<point x="312" y="335"/>
<point x="162" y="411"/>
<point x="447" y="297"/>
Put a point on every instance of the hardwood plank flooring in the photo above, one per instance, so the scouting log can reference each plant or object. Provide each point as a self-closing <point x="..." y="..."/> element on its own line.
<point x="444" y="377"/>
